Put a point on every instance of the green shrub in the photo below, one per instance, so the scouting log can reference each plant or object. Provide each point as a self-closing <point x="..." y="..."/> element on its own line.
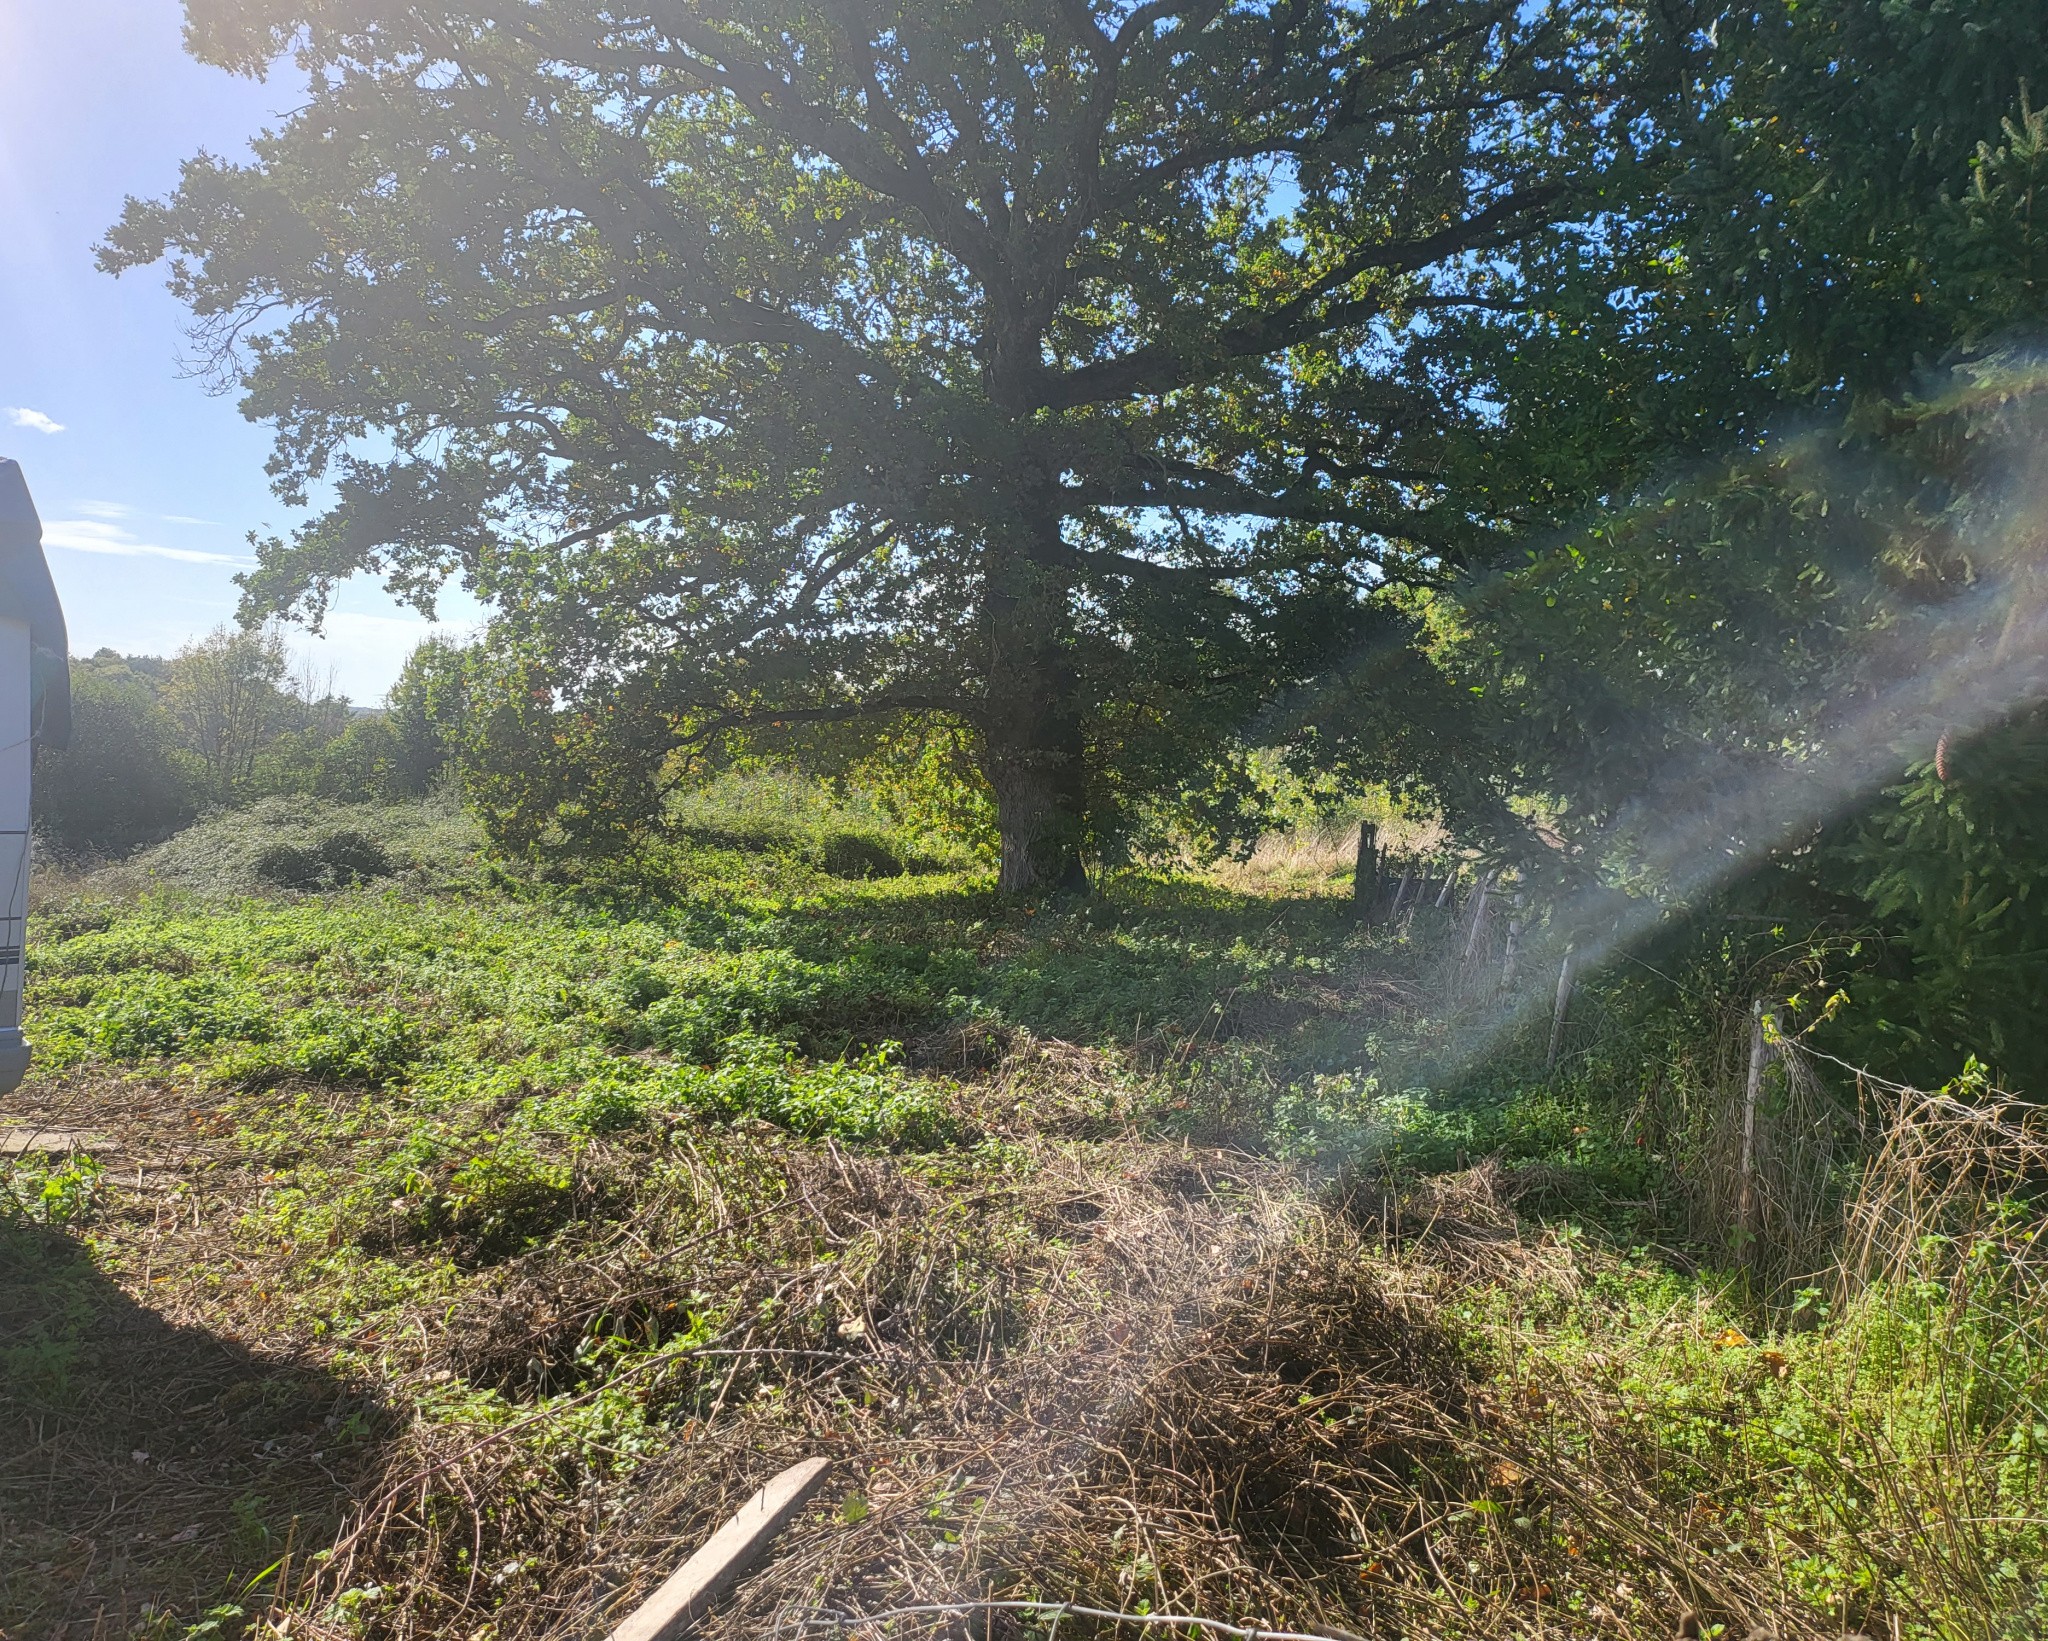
<point x="353" y="856"/>
<point x="338" y="860"/>
<point x="854" y="855"/>
<point x="289" y="866"/>
<point x="506" y="1197"/>
<point x="141" y="1014"/>
<point x="604" y="1105"/>
<point x="45" y="1190"/>
<point x="822" y="1007"/>
<point x="844" y="833"/>
<point x="122" y="782"/>
<point x="330" y="1044"/>
<point x="639" y="986"/>
<point x="496" y="1194"/>
<point x="869" y="1100"/>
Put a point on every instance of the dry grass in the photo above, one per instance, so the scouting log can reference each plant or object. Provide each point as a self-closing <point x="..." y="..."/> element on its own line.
<point x="1319" y="859"/>
<point x="1119" y="1368"/>
<point x="1083" y="1366"/>
<point x="932" y="1342"/>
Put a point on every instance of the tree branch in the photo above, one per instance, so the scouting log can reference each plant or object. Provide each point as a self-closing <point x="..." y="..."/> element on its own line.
<point x="839" y="712"/>
<point x="1160" y="368"/>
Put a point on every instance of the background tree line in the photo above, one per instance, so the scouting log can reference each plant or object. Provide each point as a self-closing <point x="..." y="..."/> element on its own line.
<point x="226" y="720"/>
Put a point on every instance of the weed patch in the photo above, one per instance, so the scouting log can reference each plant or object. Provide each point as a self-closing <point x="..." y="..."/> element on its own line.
<point x="535" y="1226"/>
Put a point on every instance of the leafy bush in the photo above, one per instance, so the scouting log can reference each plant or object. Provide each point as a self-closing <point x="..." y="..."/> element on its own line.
<point x="142" y="1014"/>
<point x="851" y="854"/>
<point x="363" y="764"/>
<point x="505" y="1197"/>
<point x="865" y="1100"/>
<point x="428" y="717"/>
<point x="868" y="1100"/>
<point x="781" y="818"/>
<point x="329" y="1044"/>
<point x="823" y="1007"/>
<point x="122" y="782"/>
<point x="495" y="1194"/>
<point x="50" y="1190"/>
<point x="353" y="856"/>
<point x="289" y="866"/>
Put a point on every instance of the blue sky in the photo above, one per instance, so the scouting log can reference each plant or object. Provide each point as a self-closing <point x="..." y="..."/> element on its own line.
<point x="147" y="483"/>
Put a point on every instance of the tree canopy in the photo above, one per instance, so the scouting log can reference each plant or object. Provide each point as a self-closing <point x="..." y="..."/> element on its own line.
<point x="1061" y="366"/>
<point x="1770" y="642"/>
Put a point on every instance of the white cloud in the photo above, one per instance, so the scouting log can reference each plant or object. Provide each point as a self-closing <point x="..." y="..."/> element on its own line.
<point x="97" y="536"/>
<point x="121" y="510"/>
<point x="34" y="420"/>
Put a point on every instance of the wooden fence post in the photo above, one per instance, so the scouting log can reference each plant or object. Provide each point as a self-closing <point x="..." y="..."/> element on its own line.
<point x="1563" y="1007"/>
<point x="1745" y="1194"/>
<point x="1478" y="915"/>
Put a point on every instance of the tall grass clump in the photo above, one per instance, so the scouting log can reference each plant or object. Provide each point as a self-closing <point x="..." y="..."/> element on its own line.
<point x="1943" y="1288"/>
<point x="1862" y="1450"/>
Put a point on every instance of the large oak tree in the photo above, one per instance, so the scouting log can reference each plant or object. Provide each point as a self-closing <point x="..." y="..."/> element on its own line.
<point x="1036" y="362"/>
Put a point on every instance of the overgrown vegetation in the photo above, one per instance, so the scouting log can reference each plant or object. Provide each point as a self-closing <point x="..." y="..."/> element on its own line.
<point x="1117" y="1251"/>
<point x="226" y="721"/>
<point x="1254" y="795"/>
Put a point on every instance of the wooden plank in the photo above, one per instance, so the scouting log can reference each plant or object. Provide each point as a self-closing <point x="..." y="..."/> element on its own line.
<point x="707" y="1575"/>
<point x="17" y="1142"/>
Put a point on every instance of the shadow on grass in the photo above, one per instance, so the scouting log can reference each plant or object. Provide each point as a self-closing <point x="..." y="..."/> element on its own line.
<point x="1143" y="958"/>
<point x="148" y="1472"/>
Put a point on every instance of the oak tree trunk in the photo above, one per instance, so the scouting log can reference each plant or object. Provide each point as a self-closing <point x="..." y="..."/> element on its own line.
<point x="1031" y="721"/>
<point x="1038" y="814"/>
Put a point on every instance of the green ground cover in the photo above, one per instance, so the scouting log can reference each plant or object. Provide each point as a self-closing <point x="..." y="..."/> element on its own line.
<point x="430" y="1259"/>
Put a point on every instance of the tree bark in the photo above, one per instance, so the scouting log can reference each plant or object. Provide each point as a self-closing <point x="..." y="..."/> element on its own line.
<point x="1478" y="916"/>
<point x="1039" y="810"/>
<point x="1031" y="721"/>
<point x="1512" y="947"/>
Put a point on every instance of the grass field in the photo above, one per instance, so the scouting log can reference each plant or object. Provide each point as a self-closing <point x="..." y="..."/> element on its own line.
<point x="442" y="1256"/>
